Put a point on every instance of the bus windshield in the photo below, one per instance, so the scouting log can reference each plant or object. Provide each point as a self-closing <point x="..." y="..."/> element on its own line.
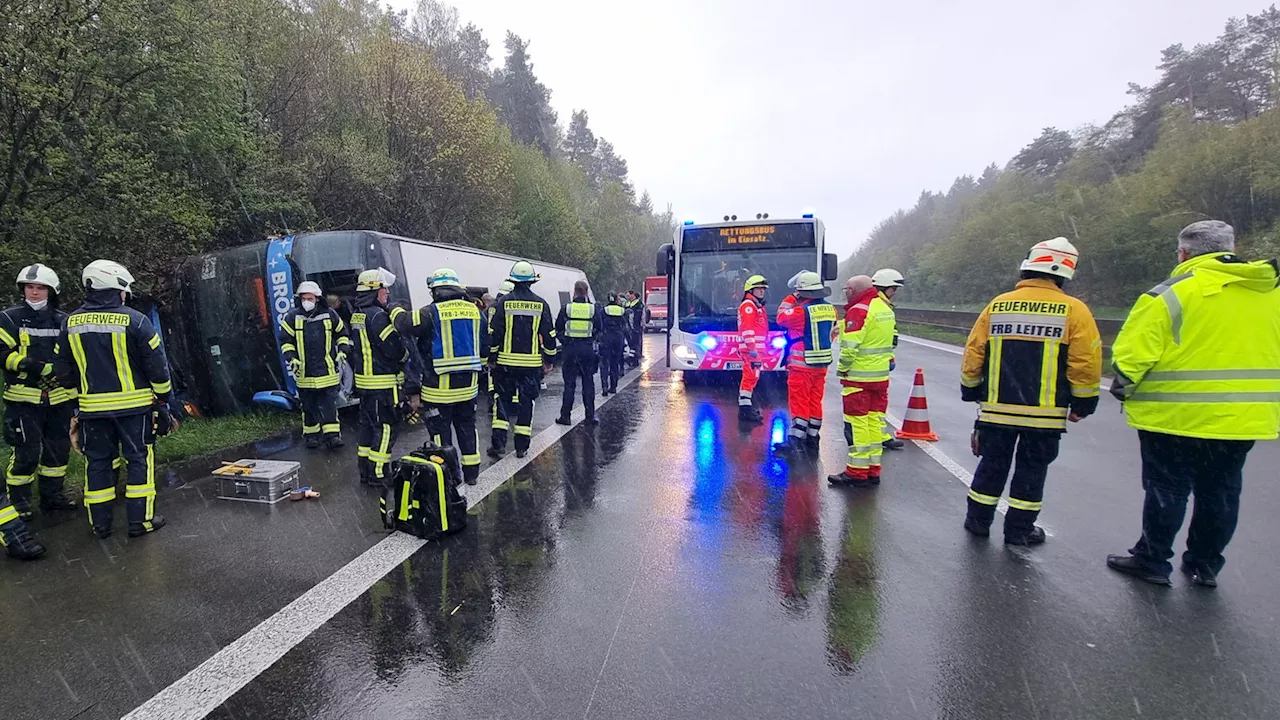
<point x="711" y="283"/>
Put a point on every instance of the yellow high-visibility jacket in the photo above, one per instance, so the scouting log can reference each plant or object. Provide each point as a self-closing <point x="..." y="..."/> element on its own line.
<point x="1199" y="354"/>
<point x="868" y="339"/>
<point x="1033" y="355"/>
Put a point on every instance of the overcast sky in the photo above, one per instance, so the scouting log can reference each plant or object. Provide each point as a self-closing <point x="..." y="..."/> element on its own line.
<point x="845" y="106"/>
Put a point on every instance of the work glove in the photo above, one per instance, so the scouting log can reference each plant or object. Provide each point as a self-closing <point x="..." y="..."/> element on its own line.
<point x="295" y="366"/>
<point x="47" y="370"/>
<point x="893" y="365"/>
<point x="165" y="420"/>
<point x="341" y="359"/>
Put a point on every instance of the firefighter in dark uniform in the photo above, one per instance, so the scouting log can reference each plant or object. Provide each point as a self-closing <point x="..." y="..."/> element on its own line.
<point x="38" y="411"/>
<point x="499" y="424"/>
<point x="378" y="356"/>
<point x="522" y="343"/>
<point x="112" y="354"/>
<point x="579" y="324"/>
<point x="450" y="339"/>
<point x="612" y="338"/>
<point x="635" y="334"/>
<point x="314" y="341"/>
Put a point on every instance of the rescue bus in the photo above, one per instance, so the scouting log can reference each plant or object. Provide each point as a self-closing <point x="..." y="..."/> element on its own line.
<point x="707" y="266"/>
<point x="223" y="344"/>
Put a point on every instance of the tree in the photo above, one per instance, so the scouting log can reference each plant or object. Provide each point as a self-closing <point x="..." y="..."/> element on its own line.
<point x="1046" y="155"/>
<point x="579" y="143"/>
<point x="523" y="102"/>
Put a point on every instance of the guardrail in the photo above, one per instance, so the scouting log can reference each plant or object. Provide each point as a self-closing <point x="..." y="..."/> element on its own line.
<point x="963" y="321"/>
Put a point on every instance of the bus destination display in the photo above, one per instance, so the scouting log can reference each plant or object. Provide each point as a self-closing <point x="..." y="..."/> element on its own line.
<point x="748" y="237"/>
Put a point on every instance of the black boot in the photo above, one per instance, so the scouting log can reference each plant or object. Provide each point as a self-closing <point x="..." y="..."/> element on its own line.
<point x="748" y="414"/>
<point x="1035" y="537"/>
<point x="563" y="420"/>
<point x="139" y="529"/>
<point x="844" y="478"/>
<point x="20" y="497"/>
<point x="312" y="441"/>
<point x="789" y="447"/>
<point x="812" y="443"/>
<point x="1130" y="565"/>
<point x="57" y="502"/>
<point x="893" y="444"/>
<point x="495" y="452"/>
<point x="976" y="528"/>
<point x="1204" y="577"/>
<point x="333" y="442"/>
<point x="23" y="546"/>
<point x="521" y="453"/>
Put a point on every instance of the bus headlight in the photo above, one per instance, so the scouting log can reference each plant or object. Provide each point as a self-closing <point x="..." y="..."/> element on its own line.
<point x="684" y="352"/>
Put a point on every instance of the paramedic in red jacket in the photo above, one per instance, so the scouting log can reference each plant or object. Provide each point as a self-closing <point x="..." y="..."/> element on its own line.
<point x="753" y="331"/>
<point x="810" y="324"/>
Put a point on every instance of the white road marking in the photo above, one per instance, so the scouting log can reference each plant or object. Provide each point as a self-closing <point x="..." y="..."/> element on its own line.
<point x="943" y="459"/>
<point x="932" y="344"/>
<point x="217" y="679"/>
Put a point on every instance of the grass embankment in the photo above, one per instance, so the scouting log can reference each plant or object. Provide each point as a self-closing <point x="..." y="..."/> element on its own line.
<point x="195" y="438"/>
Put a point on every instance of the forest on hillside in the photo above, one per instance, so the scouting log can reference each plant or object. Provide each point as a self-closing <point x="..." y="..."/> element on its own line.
<point x="148" y="130"/>
<point x="1202" y="142"/>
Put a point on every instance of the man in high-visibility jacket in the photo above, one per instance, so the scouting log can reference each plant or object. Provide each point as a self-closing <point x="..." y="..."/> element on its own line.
<point x="1198" y="369"/>
<point x="522" y="347"/>
<point x="378" y="356"/>
<point x="753" y="331"/>
<point x="449" y="335"/>
<point x="1033" y="361"/>
<point x="314" y="341"/>
<point x="579" y="324"/>
<point x="887" y="281"/>
<point x="866" y="351"/>
<point x="810" y="326"/>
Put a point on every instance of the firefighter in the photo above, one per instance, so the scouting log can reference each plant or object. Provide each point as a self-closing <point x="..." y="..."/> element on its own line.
<point x="522" y="340"/>
<point x="378" y="356"/>
<point x="112" y="354"/>
<point x="314" y="341"/>
<point x="866" y="352"/>
<point x="753" y="330"/>
<point x="499" y="424"/>
<point x="887" y="281"/>
<point x="1198" y="370"/>
<point x="450" y="338"/>
<point x="579" y="324"/>
<point x="635" y="329"/>
<point x="37" y="416"/>
<point x="612" y="340"/>
<point x="1033" y="362"/>
<point x="810" y="325"/>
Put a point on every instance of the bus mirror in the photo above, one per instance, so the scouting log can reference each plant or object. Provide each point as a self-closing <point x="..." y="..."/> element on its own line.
<point x="830" y="267"/>
<point x="666" y="259"/>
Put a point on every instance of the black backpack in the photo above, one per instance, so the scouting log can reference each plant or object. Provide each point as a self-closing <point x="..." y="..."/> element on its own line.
<point x="422" y="498"/>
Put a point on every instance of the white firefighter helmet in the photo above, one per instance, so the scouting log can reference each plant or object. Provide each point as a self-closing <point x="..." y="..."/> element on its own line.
<point x="1053" y="257"/>
<point x="375" y="279"/>
<point x="39" y="275"/>
<point x="309" y="287"/>
<point x="505" y="287"/>
<point x="523" y="271"/>
<point x="107" y="275"/>
<point x="887" y="278"/>
<point x="809" y="285"/>
<point x="444" y="277"/>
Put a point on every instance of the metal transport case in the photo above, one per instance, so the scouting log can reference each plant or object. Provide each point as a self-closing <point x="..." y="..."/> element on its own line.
<point x="267" y="482"/>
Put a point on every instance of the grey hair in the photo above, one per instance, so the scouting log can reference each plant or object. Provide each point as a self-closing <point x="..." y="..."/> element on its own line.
<point x="1207" y="236"/>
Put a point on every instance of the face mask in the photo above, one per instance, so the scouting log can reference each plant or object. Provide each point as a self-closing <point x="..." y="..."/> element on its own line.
<point x="38" y="305"/>
<point x="308" y="305"/>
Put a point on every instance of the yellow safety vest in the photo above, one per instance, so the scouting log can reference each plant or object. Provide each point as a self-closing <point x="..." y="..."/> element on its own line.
<point x="1199" y="354"/>
<point x="581" y="323"/>
<point x="865" y="353"/>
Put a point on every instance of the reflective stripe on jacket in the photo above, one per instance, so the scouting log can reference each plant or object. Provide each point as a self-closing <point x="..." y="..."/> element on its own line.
<point x="378" y="352"/>
<point x="521" y="333"/>
<point x="579" y="320"/>
<point x="1033" y="355"/>
<point x="753" y="328"/>
<point x="113" y="354"/>
<point x="810" y="325"/>
<point x="28" y="339"/>
<point x="314" y="339"/>
<point x="867" y="339"/>
<point x="450" y="336"/>
<point x="1199" y="354"/>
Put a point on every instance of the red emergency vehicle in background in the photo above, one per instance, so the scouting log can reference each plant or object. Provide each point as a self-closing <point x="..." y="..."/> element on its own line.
<point x="655" y="302"/>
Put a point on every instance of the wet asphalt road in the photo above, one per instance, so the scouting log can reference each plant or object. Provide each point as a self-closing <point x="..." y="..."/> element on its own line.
<point x="666" y="564"/>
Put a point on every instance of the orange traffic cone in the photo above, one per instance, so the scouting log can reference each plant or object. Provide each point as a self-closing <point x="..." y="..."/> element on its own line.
<point x="915" y="425"/>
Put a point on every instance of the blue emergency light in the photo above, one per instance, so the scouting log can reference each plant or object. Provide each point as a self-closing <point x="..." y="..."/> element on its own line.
<point x="688" y="222"/>
<point x="779" y="342"/>
<point x="706" y="342"/>
<point x="807" y="216"/>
